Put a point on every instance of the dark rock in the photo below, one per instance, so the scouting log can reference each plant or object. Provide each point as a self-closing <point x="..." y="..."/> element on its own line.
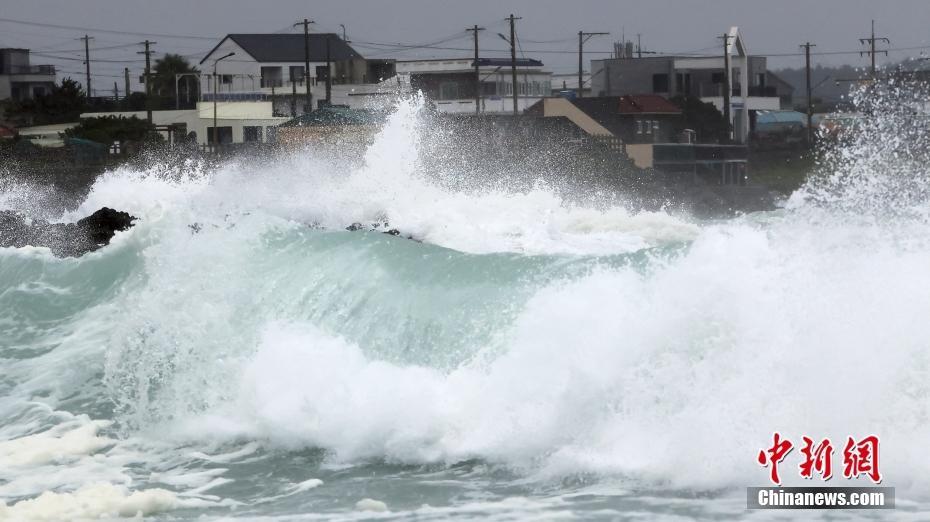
<point x="103" y="224"/>
<point x="63" y="239"/>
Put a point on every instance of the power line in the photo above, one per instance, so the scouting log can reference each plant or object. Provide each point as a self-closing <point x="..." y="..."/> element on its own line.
<point x="45" y="55"/>
<point x="110" y="31"/>
<point x="111" y="47"/>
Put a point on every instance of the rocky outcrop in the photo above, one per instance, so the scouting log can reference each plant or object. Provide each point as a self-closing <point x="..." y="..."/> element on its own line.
<point x="63" y="239"/>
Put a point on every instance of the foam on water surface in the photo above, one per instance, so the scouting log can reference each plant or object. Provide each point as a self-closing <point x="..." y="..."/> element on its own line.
<point x="540" y="354"/>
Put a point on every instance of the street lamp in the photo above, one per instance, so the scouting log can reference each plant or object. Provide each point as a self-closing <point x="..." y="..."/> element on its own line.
<point x="216" y="130"/>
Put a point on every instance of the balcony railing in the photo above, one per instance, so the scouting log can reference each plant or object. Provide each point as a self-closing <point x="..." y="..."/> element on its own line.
<point x="33" y="69"/>
<point x="268" y="83"/>
<point x="766" y="91"/>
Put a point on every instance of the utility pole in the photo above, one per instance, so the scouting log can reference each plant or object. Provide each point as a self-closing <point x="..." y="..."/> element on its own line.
<point x="871" y="41"/>
<point x="582" y="38"/>
<point x="293" y="100"/>
<point x="87" y="40"/>
<point x="513" y="59"/>
<point x="639" y="45"/>
<point x="306" y="23"/>
<point x="810" y="108"/>
<point x="126" y="80"/>
<point x="148" y="79"/>
<point x="726" y="81"/>
<point x="329" y="74"/>
<point x="475" y="29"/>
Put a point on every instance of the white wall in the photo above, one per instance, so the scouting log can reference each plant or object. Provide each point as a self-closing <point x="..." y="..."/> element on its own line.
<point x="229" y="114"/>
<point x="243" y="65"/>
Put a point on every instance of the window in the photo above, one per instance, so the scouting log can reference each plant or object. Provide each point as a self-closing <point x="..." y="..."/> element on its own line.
<point x="448" y="91"/>
<point x="717" y="77"/>
<point x="648" y="125"/>
<point x="488" y="88"/>
<point x="271" y="77"/>
<point x="252" y="134"/>
<point x="296" y="74"/>
<point x="271" y="133"/>
<point x="226" y="79"/>
<point x="322" y="72"/>
<point x="225" y="135"/>
<point x="639" y="126"/>
<point x="660" y="83"/>
<point x="655" y="126"/>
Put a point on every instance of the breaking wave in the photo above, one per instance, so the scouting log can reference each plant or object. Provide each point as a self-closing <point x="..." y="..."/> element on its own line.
<point x="553" y="336"/>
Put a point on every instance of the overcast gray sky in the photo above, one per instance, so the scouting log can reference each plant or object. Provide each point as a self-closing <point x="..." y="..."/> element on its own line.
<point x="547" y="31"/>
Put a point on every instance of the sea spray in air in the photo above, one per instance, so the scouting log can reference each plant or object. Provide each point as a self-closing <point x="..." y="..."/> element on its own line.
<point x="536" y="344"/>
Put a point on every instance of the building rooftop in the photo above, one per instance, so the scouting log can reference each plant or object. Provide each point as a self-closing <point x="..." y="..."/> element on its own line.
<point x="506" y="62"/>
<point x="289" y="48"/>
<point x="327" y="116"/>
<point x="646" y="104"/>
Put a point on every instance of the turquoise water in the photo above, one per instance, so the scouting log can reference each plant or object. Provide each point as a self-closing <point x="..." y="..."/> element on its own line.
<point x="527" y="358"/>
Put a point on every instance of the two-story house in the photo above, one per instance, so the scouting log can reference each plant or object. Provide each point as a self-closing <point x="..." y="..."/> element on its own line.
<point x="271" y="67"/>
<point x="19" y="80"/>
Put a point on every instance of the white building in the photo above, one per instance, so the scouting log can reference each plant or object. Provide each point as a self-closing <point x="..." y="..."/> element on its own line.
<point x="270" y="67"/>
<point x="19" y="80"/>
<point x="238" y="122"/>
<point x="450" y="83"/>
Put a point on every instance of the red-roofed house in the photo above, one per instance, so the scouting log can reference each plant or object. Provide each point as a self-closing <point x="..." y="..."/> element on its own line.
<point x="649" y="130"/>
<point x="634" y="118"/>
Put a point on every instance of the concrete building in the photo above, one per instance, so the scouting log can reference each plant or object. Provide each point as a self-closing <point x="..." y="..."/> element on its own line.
<point x="450" y="83"/>
<point x="270" y="67"/>
<point x="238" y="122"/>
<point x="753" y="87"/>
<point x="19" y="80"/>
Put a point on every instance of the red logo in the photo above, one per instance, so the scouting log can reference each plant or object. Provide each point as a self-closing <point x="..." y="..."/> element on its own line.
<point x="859" y="458"/>
<point x="772" y="456"/>
<point x="817" y="459"/>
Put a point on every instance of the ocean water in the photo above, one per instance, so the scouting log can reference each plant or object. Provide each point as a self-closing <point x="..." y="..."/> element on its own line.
<point x="239" y="355"/>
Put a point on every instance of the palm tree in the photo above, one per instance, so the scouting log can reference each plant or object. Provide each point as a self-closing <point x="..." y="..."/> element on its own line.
<point x="163" y="81"/>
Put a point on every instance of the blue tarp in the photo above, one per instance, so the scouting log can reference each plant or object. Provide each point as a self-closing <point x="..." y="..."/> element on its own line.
<point x="778" y="121"/>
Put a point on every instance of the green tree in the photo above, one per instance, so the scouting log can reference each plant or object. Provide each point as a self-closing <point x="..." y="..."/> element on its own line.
<point x="163" y="81"/>
<point x="703" y="118"/>
<point x="108" y="129"/>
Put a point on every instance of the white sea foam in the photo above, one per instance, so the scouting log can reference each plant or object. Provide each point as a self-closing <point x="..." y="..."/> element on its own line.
<point x="368" y="504"/>
<point x="93" y="502"/>
<point x="639" y="376"/>
<point x="62" y="442"/>
<point x="811" y="321"/>
<point x="388" y="187"/>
